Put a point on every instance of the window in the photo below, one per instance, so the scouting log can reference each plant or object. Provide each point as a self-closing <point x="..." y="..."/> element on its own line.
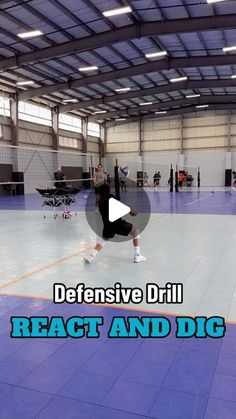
<point x="35" y="113"/>
<point x="4" y="106"/>
<point x="68" y="142"/>
<point x="70" y="123"/>
<point x="93" y="129"/>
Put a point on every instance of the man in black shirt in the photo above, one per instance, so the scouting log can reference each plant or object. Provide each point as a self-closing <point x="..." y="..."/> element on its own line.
<point x="110" y="229"/>
<point x="60" y="179"/>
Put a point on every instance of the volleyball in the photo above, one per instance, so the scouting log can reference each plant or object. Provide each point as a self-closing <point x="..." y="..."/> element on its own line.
<point x="66" y="215"/>
<point x="124" y="171"/>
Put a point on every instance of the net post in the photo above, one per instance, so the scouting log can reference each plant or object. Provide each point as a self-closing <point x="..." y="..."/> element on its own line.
<point x="91" y="167"/>
<point x="199" y="178"/>
<point x="176" y="180"/>
<point x="171" y="179"/>
<point x="117" y="181"/>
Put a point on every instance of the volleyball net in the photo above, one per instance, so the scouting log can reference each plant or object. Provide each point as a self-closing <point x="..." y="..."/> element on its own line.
<point x="141" y="171"/>
<point x="23" y="169"/>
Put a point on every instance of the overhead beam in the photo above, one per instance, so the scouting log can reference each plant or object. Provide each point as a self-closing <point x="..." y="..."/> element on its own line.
<point x="84" y="135"/>
<point x="14" y="120"/>
<point x="102" y="140"/>
<point x="6" y="88"/>
<point x="166" y="64"/>
<point x="188" y="85"/>
<point x="136" y="31"/>
<point x="173" y="112"/>
<point x="165" y="106"/>
<point x="229" y="131"/>
<point x="55" y="128"/>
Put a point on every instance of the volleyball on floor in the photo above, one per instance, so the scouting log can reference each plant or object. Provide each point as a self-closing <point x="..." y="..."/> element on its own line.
<point x="124" y="171"/>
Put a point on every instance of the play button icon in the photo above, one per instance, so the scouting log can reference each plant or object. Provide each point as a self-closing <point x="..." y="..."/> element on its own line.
<point x="135" y="198"/>
<point x="117" y="210"/>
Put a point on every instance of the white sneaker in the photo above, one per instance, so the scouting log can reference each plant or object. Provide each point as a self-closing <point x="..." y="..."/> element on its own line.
<point x="139" y="258"/>
<point x="89" y="258"/>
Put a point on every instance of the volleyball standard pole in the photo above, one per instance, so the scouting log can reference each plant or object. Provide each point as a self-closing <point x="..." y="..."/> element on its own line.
<point x="176" y="179"/>
<point x="117" y="181"/>
<point x="199" y="178"/>
<point x="171" y="179"/>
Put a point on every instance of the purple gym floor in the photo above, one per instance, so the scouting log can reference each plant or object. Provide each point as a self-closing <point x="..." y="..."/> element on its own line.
<point x="116" y="378"/>
<point x="189" y="202"/>
<point x="108" y="378"/>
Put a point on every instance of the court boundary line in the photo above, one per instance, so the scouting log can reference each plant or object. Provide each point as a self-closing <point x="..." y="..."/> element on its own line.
<point x="43" y="268"/>
<point x="53" y="263"/>
<point x="112" y="306"/>
<point x="198" y="200"/>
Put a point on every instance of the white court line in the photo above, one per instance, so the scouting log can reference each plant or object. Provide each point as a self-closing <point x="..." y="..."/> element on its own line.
<point x="197" y="200"/>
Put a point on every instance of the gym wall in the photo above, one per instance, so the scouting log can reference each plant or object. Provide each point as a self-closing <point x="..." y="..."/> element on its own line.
<point x="205" y="135"/>
<point x="42" y="165"/>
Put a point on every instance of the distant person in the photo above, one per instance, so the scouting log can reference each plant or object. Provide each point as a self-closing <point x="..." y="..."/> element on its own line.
<point x="234" y="180"/>
<point x="123" y="184"/>
<point x="145" y="179"/>
<point x="65" y="184"/>
<point x="108" y="179"/>
<point x="99" y="179"/>
<point x="233" y="186"/>
<point x="181" y="177"/>
<point x="60" y="178"/>
<point x="188" y="180"/>
<point x="156" y="179"/>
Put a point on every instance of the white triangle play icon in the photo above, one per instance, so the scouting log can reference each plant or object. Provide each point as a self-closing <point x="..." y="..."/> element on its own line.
<point x="117" y="210"/>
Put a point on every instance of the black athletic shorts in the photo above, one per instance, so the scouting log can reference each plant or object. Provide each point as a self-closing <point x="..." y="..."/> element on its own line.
<point x="97" y="190"/>
<point x="121" y="227"/>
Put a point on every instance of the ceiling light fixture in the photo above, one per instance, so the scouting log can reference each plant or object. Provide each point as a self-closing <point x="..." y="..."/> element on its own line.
<point x="156" y="54"/>
<point x="160" y="112"/>
<point x="178" y="79"/>
<point x="202" y="106"/>
<point x="227" y="49"/>
<point x="24" y="83"/>
<point x="145" y="103"/>
<point x="70" y="100"/>
<point x="115" y="12"/>
<point x="98" y="112"/>
<point x="30" y="34"/>
<point x="192" y="96"/>
<point x="214" y="1"/>
<point x="91" y="68"/>
<point x="120" y="119"/>
<point x="123" y="89"/>
<point x="233" y="76"/>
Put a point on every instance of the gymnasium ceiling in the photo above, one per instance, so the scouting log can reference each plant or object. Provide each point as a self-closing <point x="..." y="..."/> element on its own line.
<point x="76" y="34"/>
